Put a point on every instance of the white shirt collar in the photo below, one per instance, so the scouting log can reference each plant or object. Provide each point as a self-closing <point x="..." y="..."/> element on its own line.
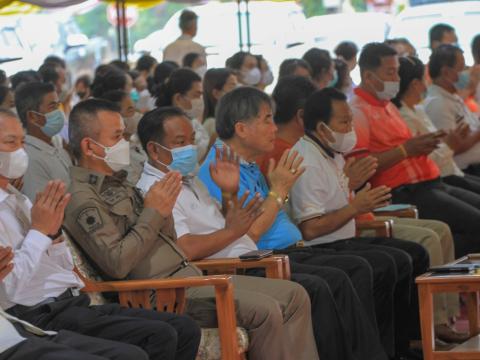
<point x="153" y="171"/>
<point x="439" y="91"/>
<point x="4" y="194"/>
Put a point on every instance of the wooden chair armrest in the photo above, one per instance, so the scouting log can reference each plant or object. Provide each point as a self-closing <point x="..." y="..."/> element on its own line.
<point x="382" y="228"/>
<point x="275" y="266"/>
<point x="155" y="284"/>
<point x="411" y="212"/>
<point x="170" y="296"/>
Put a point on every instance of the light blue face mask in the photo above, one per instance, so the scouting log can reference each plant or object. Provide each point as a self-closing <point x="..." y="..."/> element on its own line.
<point x="463" y="80"/>
<point x="134" y="95"/>
<point x="54" y="122"/>
<point x="184" y="159"/>
<point x="334" y="81"/>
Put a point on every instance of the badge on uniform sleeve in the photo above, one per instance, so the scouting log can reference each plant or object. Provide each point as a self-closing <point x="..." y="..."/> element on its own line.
<point x="90" y="220"/>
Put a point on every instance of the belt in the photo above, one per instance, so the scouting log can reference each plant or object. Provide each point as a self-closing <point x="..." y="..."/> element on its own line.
<point x="182" y="265"/>
<point x="19" y="310"/>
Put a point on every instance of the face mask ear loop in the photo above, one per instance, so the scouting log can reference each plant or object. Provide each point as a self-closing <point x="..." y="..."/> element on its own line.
<point x="102" y="146"/>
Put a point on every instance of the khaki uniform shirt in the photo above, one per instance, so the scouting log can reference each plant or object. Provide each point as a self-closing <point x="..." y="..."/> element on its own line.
<point x="107" y="219"/>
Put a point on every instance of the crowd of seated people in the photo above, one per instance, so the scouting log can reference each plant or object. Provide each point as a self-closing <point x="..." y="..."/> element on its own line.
<point x="147" y="169"/>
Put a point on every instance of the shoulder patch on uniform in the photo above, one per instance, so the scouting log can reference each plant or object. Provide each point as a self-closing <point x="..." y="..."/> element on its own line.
<point x="90" y="220"/>
<point x="113" y="195"/>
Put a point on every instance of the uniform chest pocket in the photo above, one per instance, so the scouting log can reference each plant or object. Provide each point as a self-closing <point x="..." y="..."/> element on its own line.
<point x="124" y="213"/>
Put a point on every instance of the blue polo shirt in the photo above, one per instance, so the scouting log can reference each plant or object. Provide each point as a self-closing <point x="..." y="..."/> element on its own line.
<point x="283" y="232"/>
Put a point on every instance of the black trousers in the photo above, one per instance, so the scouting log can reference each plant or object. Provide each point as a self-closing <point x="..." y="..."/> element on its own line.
<point x="457" y="207"/>
<point x="160" y="335"/>
<point x="473" y="169"/>
<point x="72" y="346"/>
<point x="398" y="262"/>
<point x="467" y="182"/>
<point x="341" y="326"/>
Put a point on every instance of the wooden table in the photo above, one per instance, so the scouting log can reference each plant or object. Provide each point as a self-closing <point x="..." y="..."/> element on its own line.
<point x="429" y="284"/>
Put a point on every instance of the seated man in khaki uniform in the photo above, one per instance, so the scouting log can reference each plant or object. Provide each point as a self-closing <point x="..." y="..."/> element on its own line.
<point x="128" y="237"/>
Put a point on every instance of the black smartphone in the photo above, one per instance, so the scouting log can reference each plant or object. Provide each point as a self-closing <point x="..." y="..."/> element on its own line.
<point x="256" y="255"/>
<point x="453" y="268"/>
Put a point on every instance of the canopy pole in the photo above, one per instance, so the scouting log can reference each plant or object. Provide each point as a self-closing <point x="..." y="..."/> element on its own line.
<point x="240" y="35"/>
<point x="119" y="31"/>
<point x="125" y="31"/>
<point x="247" y="16"/>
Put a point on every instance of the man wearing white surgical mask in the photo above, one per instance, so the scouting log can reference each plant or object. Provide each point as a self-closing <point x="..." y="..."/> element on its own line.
<point x="325" y="206"/>
<point x="38" y="109"/>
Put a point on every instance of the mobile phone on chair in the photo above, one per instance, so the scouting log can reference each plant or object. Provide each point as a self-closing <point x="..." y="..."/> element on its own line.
<point x="256" y="255"/>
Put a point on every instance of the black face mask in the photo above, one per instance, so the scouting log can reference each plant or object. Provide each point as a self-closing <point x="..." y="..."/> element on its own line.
<point x="81" y="95"/>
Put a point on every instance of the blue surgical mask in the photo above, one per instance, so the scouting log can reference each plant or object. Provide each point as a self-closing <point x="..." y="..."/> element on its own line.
<point x="184" y="159"/>
<point x="134" y="95"/>
<point x="54" y="122"/>
<point x="463" y="80"/>
<point x="334" y="81"/>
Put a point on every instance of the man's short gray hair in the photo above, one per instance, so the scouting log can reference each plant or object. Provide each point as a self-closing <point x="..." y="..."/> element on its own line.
<point x="240" y="105"/>
<point x="83" y="122"/>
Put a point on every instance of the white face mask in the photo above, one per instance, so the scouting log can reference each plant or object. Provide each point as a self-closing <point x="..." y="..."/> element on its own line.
<point x="201" y="70"/>
<point x="252" y="76"/>
<point x="344" y="142"/>
<point x="267" y="78"/>
<point x="196" y="112"/>
<point x="390" y="89"/>
<point x="13" y="165"/>
<point x="117" y="157"/>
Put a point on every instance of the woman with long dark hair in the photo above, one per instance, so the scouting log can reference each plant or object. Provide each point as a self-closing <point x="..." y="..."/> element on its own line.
<point x="216" y="83"/>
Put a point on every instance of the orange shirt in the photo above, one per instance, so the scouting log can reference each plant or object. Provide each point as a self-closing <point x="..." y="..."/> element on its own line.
<point x="472" y="104"/>
<point x="380" y="127"/>
<point x="279" y="148"/>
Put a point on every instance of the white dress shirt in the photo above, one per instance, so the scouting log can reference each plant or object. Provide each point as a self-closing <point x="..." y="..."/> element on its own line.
<point x="197" y="213"/>
<point x="184" y="45"/>
<point x="446" y="110"/>
<point x="419" y="123"/>
<point x="321" y="189"/>
<point x="41" y="270"/>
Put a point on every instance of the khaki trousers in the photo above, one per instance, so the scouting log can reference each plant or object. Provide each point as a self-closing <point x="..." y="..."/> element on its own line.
<point x="275" y="313"/>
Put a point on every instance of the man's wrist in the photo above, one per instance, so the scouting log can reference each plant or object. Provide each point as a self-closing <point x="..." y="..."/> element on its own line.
<point x="56" y="235"/>
<point x="278" y="198"/>
<point x="280" y="192"/>
<point x="229" y="195"/>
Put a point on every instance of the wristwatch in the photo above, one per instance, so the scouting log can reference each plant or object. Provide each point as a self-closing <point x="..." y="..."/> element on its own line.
<point x="280" y="201"/>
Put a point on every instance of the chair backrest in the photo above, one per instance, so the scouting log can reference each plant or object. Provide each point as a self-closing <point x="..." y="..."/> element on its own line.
<point x="168" y="300"/>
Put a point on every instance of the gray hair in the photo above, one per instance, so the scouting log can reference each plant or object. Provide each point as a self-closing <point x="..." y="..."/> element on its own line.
<point x="29" y="97"/>
<point x="240" y="105"/>
<point x="83" y="122"/>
